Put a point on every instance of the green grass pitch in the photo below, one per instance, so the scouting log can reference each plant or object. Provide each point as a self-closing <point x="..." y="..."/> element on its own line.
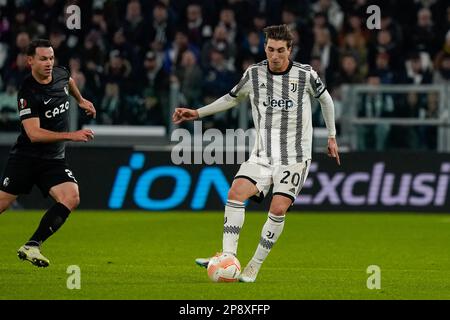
<point x="147" y="255"/>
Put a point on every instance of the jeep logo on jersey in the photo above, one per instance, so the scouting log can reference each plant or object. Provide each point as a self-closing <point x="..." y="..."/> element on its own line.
<point x="285" y="104"/>
<point x="56" y="111"/>
<point x="22" y="103"/>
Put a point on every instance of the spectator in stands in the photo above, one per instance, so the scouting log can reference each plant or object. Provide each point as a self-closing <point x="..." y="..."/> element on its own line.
<point x="251" y="48"/>
<point x="325" y="30"/>
<point x="99" y="23"/>
<point x="430" y="133"/>
<point x="47" y="12"/>
<point x="78" y="76"/>
<point x="328" y="53"/>
<point x="442" y="73"/>
<point x="134" y="26"/>
<point x="119" y="42"/>
<point x="75" y="71"/>
<point x="403" y="137"/>
<point x="443" y="52"/>
<point x="198" y="30"/>
<point x="333" y="11"/>
<point x="220" y="41"/>
<point x="218" y="79"/>
<point x="173" y="54"/>
<point x="360" y="35"/>
<point x="109" y="111"/>
<point x="355" y="46"/>
<point x="259" y="22"/>
<point x="9" y="117"/>
<point x="189" y="76"/>
<point x="161" y="32"/>
<point x="227" y="19"/>
<point x="62" y="52"/>
<point x="320" y="21"/>
<point x="290" y="18"/>
<point x="445" y="27"/>
<point x="155" y="91"/>
<point x="18" y="70"/>
<point x="22" y="41"/>
<point x="385" y="44"/>
<point x="383" y="69"/>
<point x="424" y="36"/>
<point x="389" y="23"/>
<point x="416" y="73"/>
<point x="374" y="105"/>
<point x="152" y="74"/>
<point x="23" y="23"/>
<point x="349" y="71"/>
<point x="118" y="70"/>
<point x="91" y="51"/>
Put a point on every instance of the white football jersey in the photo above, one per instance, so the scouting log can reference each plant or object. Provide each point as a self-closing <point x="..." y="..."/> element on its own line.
<point x="281" y="109"/>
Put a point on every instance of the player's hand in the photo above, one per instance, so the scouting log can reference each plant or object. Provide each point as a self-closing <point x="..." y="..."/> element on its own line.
<point x="333" y="150"/>
<point x="184" y="114"/>
<point x="83" y="135"/>
<point x="88" y="107"/>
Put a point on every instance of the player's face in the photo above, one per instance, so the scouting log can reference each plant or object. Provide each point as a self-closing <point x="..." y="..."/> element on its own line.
<point x="42" y="62"/>
<point x="278" y="54"/>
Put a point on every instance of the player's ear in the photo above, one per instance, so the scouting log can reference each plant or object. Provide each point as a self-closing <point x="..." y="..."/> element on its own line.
<point x="30" y="60"/>
<point x="289" y="49"/>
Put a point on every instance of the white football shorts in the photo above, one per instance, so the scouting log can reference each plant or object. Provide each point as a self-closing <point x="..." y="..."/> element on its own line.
<point x="286" y="180"/>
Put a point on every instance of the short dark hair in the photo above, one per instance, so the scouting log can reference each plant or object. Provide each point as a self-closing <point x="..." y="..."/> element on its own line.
<point x="38" y="43"/>
<point x="280" y="32"/>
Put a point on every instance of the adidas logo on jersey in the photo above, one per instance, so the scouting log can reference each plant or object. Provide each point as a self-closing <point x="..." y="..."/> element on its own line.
<point x="262" y="86"/>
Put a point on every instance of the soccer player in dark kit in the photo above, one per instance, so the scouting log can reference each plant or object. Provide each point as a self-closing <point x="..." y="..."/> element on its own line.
<point x="38" y="156"/>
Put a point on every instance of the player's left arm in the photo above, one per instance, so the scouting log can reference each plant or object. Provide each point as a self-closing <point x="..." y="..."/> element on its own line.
<point x="327" y="105"/>
<point x="84" y="104"/>
<point x="320" y="92"/>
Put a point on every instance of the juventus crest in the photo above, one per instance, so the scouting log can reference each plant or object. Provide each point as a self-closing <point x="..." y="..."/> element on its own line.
<point x="293" y="86"/>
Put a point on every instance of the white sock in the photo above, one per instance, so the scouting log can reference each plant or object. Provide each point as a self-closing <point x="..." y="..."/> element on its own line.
<point x="234" y="220"/>
<point x="270" y="232"/>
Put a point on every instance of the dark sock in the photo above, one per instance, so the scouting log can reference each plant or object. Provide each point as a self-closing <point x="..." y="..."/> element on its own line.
<point x="52" y="220"/>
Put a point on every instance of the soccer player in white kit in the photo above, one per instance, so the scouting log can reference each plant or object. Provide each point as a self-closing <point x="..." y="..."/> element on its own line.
<point x="280" y="93"/>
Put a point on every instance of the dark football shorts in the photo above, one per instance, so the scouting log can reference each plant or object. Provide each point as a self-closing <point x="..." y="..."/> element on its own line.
<point x="21" y="173"/>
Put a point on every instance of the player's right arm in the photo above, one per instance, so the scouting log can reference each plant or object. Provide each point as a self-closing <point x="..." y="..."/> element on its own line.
<point x="29" y="116"/>
<point x="39" y="135"/>
<point x="224" y="103"/>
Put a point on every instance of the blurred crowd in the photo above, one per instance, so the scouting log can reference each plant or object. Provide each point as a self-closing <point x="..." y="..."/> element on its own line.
<point x="128" y="53"/>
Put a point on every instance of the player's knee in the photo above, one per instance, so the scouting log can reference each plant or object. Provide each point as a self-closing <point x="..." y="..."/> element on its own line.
<point x="278" y="210"/>
<point x="4" y="205"/>
<point x="75" y="201"/>
<point x="71" y="201"/>
<point x="235" y="195"/>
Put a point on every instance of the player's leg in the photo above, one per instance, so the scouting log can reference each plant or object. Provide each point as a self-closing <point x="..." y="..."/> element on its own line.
<point x="66" y="196"/>
<point x="252" y="179"/>
<point x="16" y="179"/>
<point x="67" y="199"/>
<point x="288" y="181"/>
<point x="270" y="233"/>
<point x="241" y="190"/>
<point x="55" y="179"/>
<point x="6" y="200"/>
